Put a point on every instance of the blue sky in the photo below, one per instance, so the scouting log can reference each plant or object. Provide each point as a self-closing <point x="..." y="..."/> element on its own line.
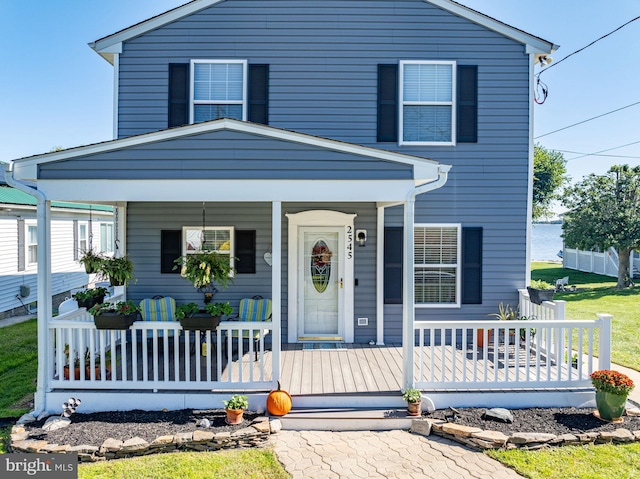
<point x="56" y="91"/>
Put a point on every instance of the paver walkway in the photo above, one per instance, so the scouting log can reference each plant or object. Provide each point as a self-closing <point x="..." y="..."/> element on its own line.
<point x="381" y="454"/>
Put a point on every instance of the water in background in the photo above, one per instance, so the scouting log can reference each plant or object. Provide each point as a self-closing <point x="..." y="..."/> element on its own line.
<point x="546" y="242"/>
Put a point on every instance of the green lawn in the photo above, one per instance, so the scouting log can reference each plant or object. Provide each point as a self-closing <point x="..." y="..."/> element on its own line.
<point x="18" y="368"/>
<point x="598" y="294"/>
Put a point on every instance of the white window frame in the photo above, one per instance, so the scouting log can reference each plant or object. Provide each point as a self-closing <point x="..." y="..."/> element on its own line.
<point x="83" y="249"/>
<point x="457" y="266"/>
<point x="452" y="103"/>
<point x="27" y="244"/>
<point x="230" y="251"/>
<point x="108" y="240"/>
<point x="192" y="100"/>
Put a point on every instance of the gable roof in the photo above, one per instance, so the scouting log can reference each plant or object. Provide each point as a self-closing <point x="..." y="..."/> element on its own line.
<point x="111" y="44"/>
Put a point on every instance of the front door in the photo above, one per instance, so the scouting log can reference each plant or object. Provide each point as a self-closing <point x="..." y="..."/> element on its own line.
<point x="321" y="257"/>
<point x="320" y="283"/>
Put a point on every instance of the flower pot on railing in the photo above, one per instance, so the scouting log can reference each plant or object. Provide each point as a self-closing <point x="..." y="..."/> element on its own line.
<point x="537" y="296"/>
<point x="115" y="321"/>
<point x="201" y="321"/>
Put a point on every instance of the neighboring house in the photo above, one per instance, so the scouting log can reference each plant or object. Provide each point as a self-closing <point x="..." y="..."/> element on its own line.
<point x="74" y="227"/>
<point x="308" y="138"/>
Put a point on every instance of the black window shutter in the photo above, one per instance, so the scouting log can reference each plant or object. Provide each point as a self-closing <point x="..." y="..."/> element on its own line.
<point x="170" y="250"/>
<point x="245" y="251"/>
<point x="178" y="94"/>
<point x="387" y="103"/>
<point x="21" y="246"/>
<point x="76" y="245"/>
<point x="472" y="265"/>
<point x="259" y="94"/>
<point x="393" y="246"/>
<point x="467" y="104"/>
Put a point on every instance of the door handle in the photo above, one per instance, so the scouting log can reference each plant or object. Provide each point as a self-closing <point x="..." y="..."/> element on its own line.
<point x="341" y="283"/>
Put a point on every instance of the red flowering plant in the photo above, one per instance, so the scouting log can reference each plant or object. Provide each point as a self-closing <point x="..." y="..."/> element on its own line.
<point x="123" y="308"/>
<point x="612" y="382"/>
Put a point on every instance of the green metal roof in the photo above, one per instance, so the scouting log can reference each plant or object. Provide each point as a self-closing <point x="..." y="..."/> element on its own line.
<point x="12" y="196"/>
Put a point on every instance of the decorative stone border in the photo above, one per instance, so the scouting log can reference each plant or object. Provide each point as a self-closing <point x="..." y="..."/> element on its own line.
<point x="480" y="439"/>
<point x="255" y="435"/>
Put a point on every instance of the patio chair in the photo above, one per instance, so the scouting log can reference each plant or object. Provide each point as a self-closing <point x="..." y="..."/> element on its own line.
<point x="158" y="308"/>
<point x="253" y="309"/>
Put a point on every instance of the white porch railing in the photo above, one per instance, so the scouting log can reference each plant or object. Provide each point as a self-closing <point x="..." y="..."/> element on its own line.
<point x="159" y="356"/>
<point x="541" y="353"/>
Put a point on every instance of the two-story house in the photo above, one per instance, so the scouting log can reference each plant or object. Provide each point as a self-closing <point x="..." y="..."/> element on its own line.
<point x="367" y="165"/>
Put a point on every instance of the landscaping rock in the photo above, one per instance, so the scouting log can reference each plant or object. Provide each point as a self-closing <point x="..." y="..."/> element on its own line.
<point x="496" y="439"/>
<point x="56" y="422"/>
<point x="459" y="430"/>
<point x="202" y="436"/>
<point x="111" y="445"/>
<point x="498" y="414"/>
<point x="617" y="436"/>
<point x="421" y="426"/>
<point x="134" y="444"/>
<point x="262" y="426"/>
<point x="633" y="411"/>
<point x="26" y="419"/>
<point x="531" y="438"/>
<point x="204" y="423"/>
<point x="275" y="425"/>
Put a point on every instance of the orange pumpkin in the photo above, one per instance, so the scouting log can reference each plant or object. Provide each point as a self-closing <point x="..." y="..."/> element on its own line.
<point x="279" y="402"/>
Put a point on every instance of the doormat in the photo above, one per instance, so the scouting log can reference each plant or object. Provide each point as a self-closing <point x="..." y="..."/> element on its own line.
<point x="331" y="346"/>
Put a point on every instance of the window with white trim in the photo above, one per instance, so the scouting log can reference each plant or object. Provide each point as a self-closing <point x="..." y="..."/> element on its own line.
<point x="220" y="239"/>
<point x="31" y="245"/>
<point x="218" y="90"/>
<point x="427" y="102"/>
<point x="83" y="237"/>
<point x="106" y="237"/>
<point x="437" y="264"/>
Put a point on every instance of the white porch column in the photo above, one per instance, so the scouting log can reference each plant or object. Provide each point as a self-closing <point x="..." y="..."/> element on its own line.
<point x="408" y="295"/>
<point x="380" y="278"/>
<point x="45" y="309"/>
<point x="276" y="285"/>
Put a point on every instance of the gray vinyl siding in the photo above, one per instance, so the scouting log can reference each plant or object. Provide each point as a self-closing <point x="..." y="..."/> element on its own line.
<point x="145" y="221"/>
<point x="225" y="155"/>
<point x="323" y="58"/>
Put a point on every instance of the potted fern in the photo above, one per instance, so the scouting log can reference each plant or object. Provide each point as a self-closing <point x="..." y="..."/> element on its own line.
<point x="204" y="270"/>
<point x="118" y="270"/>
<point x="92" y="261"/>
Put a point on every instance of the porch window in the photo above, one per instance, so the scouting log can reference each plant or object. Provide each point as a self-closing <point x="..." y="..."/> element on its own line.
<point x="32" y="244"/>
<point x="218" y="90"/>
<point x="427" y="108"/>
<point x="437" y="264"/>
<point x="211" y="238"/>
<point x="106" y="238"/>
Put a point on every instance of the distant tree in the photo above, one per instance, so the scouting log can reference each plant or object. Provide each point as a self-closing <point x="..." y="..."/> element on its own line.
<point x="604" y="212"/>
<point x="549" y="175"/>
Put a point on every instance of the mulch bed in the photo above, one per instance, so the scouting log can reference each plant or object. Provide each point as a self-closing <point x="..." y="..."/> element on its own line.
<point x="94" y="428"/>
<point x="548" y="420"/>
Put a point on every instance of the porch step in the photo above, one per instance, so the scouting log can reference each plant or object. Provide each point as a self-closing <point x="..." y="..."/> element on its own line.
<point x="346" y="419"/>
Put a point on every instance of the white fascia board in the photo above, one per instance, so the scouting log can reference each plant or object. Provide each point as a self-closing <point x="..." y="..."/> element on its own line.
<point x="424" y="169"/>
<point x="538" y="45"/>
<point x="103" y="45"/>
<point x="226" y="190"/>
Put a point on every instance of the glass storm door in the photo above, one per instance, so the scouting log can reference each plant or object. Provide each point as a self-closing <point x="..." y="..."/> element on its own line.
<point x="321" y="283"/>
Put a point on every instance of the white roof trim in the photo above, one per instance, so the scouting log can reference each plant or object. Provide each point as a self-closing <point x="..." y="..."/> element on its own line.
<point x="423" y="168"/>
<point x="104" y="46"/>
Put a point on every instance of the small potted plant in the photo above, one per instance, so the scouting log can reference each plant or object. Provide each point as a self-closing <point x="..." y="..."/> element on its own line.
<point x="414" y="401"/>
<point x="235" y="408"/>
<point x="89" y="297"/>
<point x="67" y="366"/>
<point x="115" y="316"/>
<point x="118" y="270"/>
<point x="92" y="261"/>
<point x="540" y="291"/>
<point x="612" y="389"/>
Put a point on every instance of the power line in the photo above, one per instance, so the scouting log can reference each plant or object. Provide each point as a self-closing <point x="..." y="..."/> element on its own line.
<point x="590" y="44"/>
<point x="585" y="121"/>
<point x="593" y="154"/>
<point x="604" y="151"/>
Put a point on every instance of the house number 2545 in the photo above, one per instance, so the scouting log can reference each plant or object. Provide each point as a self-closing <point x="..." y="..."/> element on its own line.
<point x="349" y="242"/>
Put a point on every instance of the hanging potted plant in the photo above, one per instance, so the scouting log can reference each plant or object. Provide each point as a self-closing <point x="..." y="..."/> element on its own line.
<point x="235" y="408"/>
<point x="118" y="270"/>
<point x="92" y="261"/>
<point x="89" y="297"/>
<point x="612" y="389"/>
<point x="205" y="269"/>
<point x="115" y="316"/>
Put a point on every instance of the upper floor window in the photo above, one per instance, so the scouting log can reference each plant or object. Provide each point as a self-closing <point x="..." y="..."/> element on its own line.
<point x="427" y="105"/>
<point x="218" y="90"/>
<point x="437" y="261"/>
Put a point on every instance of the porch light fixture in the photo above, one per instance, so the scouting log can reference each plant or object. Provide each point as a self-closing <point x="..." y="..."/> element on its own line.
<point x="361" y="236"/>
